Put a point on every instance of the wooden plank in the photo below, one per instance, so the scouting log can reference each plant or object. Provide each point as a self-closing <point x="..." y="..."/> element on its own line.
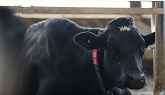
<point x="159" y="55"/>
<point x="79" y="16"/>
<point x="85" y="10"/>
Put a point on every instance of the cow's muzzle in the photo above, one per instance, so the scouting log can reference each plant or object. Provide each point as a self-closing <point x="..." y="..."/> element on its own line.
<point x="136" y="80"/>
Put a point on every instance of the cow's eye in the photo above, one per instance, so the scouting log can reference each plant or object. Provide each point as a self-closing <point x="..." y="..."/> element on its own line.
<point x="143" y="48"/>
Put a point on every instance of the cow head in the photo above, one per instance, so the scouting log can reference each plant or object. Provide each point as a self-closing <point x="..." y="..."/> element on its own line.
<point x="123" y="46"/>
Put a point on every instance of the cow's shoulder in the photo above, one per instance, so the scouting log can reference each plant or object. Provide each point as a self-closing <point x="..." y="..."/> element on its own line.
<point x="54" y="25"/>
<point x="41" y="35"/>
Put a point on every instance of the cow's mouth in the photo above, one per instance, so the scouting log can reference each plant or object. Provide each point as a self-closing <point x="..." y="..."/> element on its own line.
<point x="137" y="86"/>
<point x="130" y="86"/>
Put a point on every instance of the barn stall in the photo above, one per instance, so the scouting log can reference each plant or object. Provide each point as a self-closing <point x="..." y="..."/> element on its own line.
<point x="146" y="19"/>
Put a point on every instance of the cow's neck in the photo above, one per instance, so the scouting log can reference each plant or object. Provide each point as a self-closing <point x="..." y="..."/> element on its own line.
<point x="100" y="64"/>
<point x="100" y="60"/>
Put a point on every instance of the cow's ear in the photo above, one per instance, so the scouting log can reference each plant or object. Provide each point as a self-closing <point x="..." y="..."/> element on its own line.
<point x="87" y="40"/>
<point x="149" y="38"/>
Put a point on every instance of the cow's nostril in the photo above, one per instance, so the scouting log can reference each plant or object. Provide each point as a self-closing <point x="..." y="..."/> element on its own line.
<point x="136" y="80"/>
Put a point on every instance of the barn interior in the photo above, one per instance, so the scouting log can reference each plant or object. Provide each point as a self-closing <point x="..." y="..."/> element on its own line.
<point x="142" y="22"/>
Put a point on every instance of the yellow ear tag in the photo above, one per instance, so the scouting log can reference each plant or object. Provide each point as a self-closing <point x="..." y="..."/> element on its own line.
<point x="151" y="47"/>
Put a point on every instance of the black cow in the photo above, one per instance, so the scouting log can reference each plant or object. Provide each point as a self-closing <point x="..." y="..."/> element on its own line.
<point x="57" y="55"/>
<point x="12" y="30"/>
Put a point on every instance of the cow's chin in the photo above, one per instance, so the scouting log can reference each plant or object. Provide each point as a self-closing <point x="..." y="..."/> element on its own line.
<point x="119" y="85"/>
<point x="136" y="86"/>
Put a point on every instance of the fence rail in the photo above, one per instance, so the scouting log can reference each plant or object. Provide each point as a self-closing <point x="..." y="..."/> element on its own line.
<point x="85" y="10"/>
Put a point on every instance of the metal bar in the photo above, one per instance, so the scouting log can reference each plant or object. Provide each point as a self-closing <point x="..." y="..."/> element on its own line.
<point x="159" y="58"/>
<point x="82" y="10"/>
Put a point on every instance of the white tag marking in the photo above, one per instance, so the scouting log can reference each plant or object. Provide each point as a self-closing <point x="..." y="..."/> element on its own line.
<point x="123" y="28"/>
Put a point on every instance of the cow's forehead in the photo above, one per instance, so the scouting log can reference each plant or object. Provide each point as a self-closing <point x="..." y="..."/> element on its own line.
<point x="122" y="22"/>
<point x="124" y="25"/>
<point x="125" y="41"/>
<point x="121" y="31"/>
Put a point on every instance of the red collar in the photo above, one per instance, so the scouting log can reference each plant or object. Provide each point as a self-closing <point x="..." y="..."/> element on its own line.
<point x="94" y="57"/>
<point x="95" y="63"/>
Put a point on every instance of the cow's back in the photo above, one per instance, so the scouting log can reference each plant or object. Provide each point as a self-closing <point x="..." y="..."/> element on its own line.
<point x="52" y="36"/>
<point x="63" y="66"/>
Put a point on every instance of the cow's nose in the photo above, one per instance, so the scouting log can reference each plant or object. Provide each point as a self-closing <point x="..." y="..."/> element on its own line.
<point x="136" y="80"/>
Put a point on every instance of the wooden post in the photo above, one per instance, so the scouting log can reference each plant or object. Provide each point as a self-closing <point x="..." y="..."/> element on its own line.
<point x="159" y="54"/>
<point x="164" y="45"/>
<point x="153" y="30"/>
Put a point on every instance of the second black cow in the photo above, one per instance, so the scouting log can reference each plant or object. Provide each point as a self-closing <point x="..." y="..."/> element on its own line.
<point x="58" y="58"/>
